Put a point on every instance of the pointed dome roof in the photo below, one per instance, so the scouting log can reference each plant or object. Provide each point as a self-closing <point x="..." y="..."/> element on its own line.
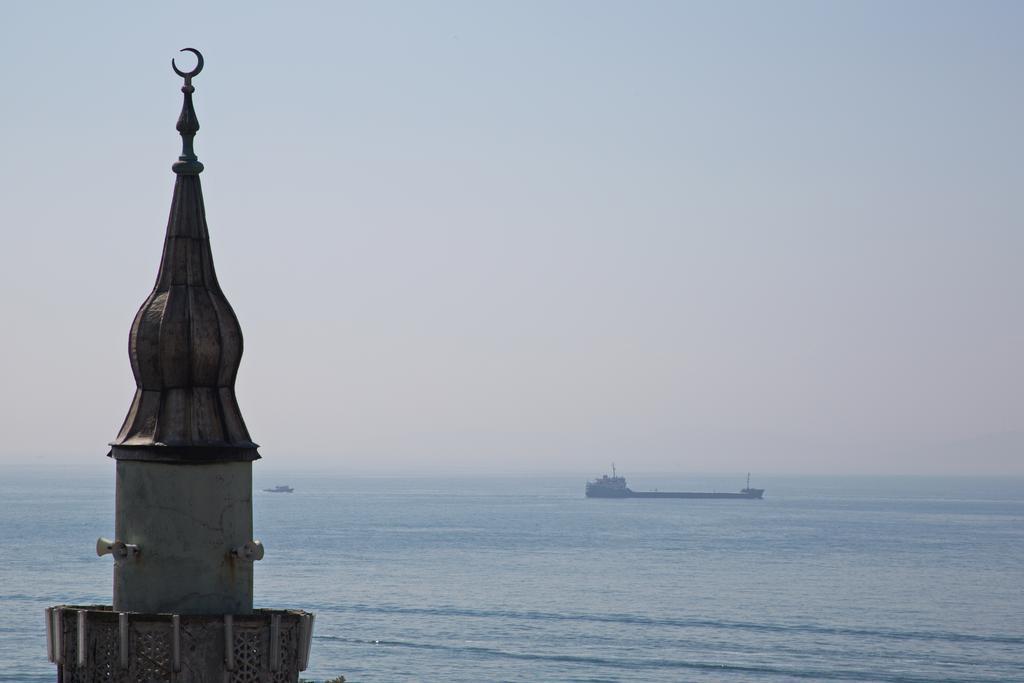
<point x="185" y="343"/>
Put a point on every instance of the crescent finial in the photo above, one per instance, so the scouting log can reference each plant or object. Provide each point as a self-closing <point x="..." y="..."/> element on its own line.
<point x="188" y="124"/>
<point x="189" y="75"/>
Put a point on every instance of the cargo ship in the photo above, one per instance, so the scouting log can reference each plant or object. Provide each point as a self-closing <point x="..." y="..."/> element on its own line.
<point x="615" y="487"/>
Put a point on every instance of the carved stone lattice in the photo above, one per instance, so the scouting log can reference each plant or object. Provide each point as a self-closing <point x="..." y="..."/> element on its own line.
<point x="105" y="653"/>
<point x="72" y="672"/>
<point x="248" y="657"/>
<point x="202" y="651"/>
<point x="76" y="675"/>
<point x="287" y="664"/>
<point x="152" y="660"/>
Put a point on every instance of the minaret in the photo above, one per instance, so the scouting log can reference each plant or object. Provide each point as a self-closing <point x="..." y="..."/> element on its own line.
<point x="184" y="457"/>
<point x="183" y="545"/>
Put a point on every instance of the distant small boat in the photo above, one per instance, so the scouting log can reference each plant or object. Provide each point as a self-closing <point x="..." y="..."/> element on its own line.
<point x="280" y="489"/>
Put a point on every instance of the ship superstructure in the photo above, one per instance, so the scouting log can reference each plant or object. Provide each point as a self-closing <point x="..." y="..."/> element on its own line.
<point x="608" y="487"/>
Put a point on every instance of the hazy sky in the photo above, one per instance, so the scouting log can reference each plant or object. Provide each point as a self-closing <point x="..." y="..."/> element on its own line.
<point x="779" y="237"/>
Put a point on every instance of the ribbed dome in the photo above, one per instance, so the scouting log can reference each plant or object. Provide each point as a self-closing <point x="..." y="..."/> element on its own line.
<point x="185" y="344"/>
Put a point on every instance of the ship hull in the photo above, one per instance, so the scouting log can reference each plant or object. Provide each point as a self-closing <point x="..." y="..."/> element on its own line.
<point x="756" y="494"/>
<point x="692" y="494"/>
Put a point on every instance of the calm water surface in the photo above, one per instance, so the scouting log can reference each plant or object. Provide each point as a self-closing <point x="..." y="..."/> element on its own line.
<point x="510" y="579"/>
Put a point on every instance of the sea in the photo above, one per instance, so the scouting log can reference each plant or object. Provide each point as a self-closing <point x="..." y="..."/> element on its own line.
<point x="512" y="578"/>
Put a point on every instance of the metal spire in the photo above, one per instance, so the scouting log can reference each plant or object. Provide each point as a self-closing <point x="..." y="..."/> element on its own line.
<point x="185" y="343"/>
